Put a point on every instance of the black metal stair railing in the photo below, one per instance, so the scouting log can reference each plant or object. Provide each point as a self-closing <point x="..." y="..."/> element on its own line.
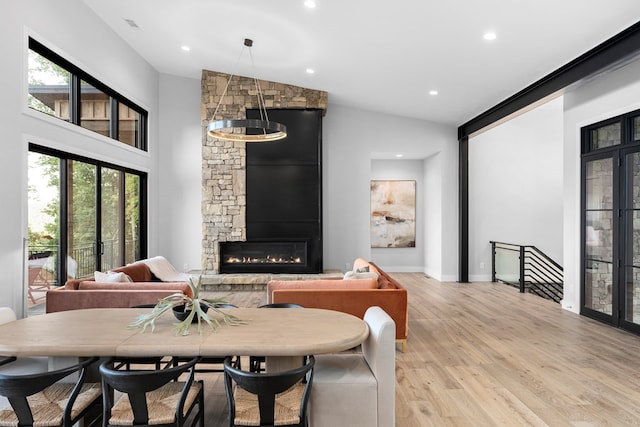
<point x="527" y="268"/>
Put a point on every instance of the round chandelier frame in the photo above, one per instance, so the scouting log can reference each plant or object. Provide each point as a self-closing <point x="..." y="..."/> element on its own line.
<point x="265" y="130"/>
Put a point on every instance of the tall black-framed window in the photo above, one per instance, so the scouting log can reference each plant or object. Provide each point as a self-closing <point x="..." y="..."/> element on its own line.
<point x="611" y="221"/>
<point x="84" y="216"/>
<point x="60" y="89"/>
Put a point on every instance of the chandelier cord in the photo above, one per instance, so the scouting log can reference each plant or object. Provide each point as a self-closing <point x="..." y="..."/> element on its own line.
<point x="262" y="108"/>
<point x="229" y="82"/>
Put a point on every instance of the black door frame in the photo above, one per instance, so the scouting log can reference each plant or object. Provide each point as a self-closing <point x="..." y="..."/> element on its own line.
<point x="626" y="222"/>
<point x="63" y="243"/>
<point x="622" y="247"/>
<point x="612" y="318"/>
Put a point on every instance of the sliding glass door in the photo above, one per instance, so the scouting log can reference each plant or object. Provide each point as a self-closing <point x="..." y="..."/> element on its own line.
<point x="85" y="209"/>
<point x="82" y="233"/>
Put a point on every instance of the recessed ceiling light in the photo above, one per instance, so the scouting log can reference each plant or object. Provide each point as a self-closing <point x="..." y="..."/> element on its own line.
<point x="490" y="35"/>
<point x="310" y="71"/>
<point x="398" y="155"/>
<point x="185" y="48"/>
<point x="310" y="4"/>
<point x="433" y="92"/>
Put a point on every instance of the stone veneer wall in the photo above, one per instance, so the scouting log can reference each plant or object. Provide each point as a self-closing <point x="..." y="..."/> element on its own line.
<point x="224" y="162"/>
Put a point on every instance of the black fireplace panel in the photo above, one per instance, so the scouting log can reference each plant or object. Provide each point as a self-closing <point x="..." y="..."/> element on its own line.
<point x="284" y="191"/>
<point x="302" y="144"/>
<point x="305" y="230"/>
<point x="264" y="256"/>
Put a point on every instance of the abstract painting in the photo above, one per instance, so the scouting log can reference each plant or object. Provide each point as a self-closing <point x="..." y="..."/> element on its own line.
<point x="393" y="214"/>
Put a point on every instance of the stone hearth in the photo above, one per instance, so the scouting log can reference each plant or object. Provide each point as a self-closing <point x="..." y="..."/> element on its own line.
<point x="256" y="282"/>
<point x="224" y="162"/>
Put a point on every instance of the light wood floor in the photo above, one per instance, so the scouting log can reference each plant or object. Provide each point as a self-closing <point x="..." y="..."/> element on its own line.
<point x="482" y="354"/>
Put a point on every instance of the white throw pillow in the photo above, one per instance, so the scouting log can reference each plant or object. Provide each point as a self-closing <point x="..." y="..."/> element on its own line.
<point x="111" y="276"/>
<point x="357" y="275"/>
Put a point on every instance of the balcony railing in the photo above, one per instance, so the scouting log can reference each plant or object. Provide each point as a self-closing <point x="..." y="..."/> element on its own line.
<point x="527" y="268"/>
<point x="82" y="259"/>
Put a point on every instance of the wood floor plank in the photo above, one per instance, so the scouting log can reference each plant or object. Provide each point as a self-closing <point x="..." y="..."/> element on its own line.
<point x="482" y="354"/>
<point x="522" y="359"/>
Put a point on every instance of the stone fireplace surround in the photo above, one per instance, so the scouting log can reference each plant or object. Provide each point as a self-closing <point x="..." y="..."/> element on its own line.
<point x="224" y="162"/>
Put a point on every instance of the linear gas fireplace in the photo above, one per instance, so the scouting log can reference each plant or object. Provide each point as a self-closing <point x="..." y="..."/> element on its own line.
<point x="264" y="257"/>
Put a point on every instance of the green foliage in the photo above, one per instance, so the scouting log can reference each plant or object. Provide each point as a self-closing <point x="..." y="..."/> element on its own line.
<point x="82" y="206"/>
<point x="49" y="167"/>
<point x="40" y="67"/>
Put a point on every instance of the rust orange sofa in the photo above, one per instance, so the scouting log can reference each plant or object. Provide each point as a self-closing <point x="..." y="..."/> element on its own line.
<point x="144" y="288"/>
<point x="353" y="296"/>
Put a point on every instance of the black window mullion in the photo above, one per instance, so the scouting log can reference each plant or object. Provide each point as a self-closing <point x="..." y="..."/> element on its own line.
<point x="63" y="243"/>
<point x="98" y="241"/>
<point x="142" y="132"/>
<point x="115" y="120"/>
<point x="75" y="109"/>
<point x="142" y="211"/>
<point x="122" y="196"/>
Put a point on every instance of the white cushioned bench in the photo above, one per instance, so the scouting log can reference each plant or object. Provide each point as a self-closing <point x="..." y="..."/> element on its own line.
<point x="353" y="389"/>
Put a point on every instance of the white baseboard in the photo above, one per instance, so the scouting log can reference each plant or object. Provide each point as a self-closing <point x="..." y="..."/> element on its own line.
<point x="402" y="269"/>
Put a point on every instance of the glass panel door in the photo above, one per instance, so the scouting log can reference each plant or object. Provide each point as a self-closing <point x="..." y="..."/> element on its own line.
<point x="611" y="215"/>
<point x="598" y="250"/>
<point x="112" y="225"/>
<point x="132" y="218"/>
<point x="632" y="238"/>
<point x="81" y="220"/>
<point x="43" y="226"/>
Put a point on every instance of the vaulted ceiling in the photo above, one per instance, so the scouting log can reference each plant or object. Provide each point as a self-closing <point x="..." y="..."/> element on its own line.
<point x="383" y="56"/>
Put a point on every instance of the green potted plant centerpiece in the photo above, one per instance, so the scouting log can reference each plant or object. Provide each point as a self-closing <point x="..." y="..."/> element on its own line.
<point x="188" y="309"/>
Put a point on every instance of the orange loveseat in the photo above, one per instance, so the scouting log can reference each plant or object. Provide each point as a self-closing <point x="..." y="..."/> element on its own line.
<point x="353" y="296"/>
<point x="144" y="288"/>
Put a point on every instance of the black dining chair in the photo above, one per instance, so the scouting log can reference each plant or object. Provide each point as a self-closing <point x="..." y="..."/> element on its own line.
<point x="216" y="361"/>
<point x="281" y="305"/>
<point x="256" y="363"/>
<point x="268" y="399"/>
<point x="152" y="397"/>
<point x="157" y="361"/>
<point x="49" y="399"/>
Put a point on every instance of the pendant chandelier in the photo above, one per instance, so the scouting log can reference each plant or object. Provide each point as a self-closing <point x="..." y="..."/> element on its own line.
<point x="265" y="130"/>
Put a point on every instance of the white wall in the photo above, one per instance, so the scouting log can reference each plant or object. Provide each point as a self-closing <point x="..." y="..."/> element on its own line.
<point x="515" y="187"/>
<point x="351" y="138"/>
<point x="403" y="259"/>
<point x="434" y="214"/>
<point x="608" y="96"/>
<point x="180" y="172"/>
<point x="73" y="31"/>
<point x="347" y="155"/>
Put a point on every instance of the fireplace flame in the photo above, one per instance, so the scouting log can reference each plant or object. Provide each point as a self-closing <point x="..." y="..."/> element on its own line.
<point x="264" y="260"/>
